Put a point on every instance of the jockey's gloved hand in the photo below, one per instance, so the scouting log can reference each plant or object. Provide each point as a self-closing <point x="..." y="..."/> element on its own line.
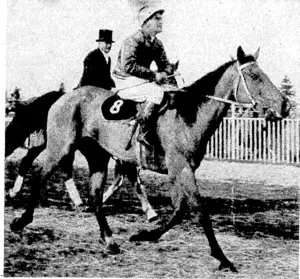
<point x="160" y="77"/>
<point x="114" y="90"/>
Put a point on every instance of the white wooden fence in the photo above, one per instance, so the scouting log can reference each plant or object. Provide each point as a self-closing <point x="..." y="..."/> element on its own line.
<point x="254" y="139"/>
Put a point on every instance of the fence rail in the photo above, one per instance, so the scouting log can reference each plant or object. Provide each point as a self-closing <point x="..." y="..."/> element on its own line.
<point x="254" y="139"/>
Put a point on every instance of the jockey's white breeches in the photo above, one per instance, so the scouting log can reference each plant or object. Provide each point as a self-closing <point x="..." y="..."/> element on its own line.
<point x="139" y="90"/>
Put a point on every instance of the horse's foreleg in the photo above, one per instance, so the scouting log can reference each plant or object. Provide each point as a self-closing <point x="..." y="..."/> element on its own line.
<point x="26" y="163"/>
<point x="195" y="202"/>
<point x="216" y="250"/>
<point x="190" y="191"/>
<point x="134" y="178"/>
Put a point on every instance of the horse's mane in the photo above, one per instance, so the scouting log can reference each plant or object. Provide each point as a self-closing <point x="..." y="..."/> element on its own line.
<point x="188" y="102"/>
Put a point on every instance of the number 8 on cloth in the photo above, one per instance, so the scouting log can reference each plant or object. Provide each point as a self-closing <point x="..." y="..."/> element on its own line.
<point x="116" y="106"/>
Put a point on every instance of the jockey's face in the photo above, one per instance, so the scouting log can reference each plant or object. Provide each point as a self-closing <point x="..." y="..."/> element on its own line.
<point x="154" y="25"/>
<point x="105" y="46"/>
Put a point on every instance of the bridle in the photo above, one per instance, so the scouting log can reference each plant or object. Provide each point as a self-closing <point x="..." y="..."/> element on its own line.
<point x="241" y="77"/>
<point x="252" y="103"/>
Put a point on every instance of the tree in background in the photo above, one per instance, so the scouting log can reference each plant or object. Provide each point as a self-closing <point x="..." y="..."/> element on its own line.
<point x="286" y="88"/>
<point x="12" y="101"/>
<point x="15" y="95"/>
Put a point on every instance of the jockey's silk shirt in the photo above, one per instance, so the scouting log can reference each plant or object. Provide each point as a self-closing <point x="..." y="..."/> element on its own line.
<point x="133" y="68"/>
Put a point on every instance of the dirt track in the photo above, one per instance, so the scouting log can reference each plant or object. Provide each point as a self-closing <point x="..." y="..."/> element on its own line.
<point x="285" y="175"/>
<point x="255" y="216"/>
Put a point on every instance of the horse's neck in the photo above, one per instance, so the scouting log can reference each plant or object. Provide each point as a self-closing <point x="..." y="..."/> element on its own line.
<point x="212" y="112"/>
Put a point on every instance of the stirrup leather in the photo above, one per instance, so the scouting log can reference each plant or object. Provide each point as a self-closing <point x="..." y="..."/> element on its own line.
<point x="142" y="139"/>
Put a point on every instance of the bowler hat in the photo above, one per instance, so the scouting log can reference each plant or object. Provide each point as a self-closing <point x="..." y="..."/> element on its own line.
<point x="147" y="12"/>
<point x="105" y="35"/>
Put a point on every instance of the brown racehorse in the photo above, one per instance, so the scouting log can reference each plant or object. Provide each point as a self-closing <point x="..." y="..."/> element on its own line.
<point x="76" y="122"/>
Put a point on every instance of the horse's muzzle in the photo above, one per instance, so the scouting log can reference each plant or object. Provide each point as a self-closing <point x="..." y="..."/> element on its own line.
<point x="272" y="115"/>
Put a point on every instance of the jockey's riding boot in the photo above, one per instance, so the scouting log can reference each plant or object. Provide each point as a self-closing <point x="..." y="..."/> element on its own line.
<point x="147" y="120"/>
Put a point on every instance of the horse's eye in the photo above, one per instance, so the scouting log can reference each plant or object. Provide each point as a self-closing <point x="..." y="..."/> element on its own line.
<point x="254" y="76"/>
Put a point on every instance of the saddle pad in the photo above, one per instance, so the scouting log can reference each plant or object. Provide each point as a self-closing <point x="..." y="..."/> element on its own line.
<point x="115" y="108"/>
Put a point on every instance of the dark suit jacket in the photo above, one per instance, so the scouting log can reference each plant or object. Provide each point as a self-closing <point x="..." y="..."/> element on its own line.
<point x="96" y="71"/>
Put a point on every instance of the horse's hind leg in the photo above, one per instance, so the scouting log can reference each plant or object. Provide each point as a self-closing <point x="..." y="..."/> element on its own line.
<point x="98" y="160"/>
<point x="25" y="165"/>
<point x="67" y="166"/>
<point x="51" y="159"/>
<point x="133" y="176"/>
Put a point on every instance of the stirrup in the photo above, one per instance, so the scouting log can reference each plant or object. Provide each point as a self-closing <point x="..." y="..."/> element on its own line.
<point x="142" y="139"/>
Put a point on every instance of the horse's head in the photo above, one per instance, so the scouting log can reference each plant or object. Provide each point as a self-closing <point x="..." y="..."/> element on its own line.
<point x="14" y="106"/>
<point x="175" y="66"/>
<point x="254" y="86"/>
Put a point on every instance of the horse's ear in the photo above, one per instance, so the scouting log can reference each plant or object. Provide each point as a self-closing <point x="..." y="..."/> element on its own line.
<point x="240" y="54"/>
<point x="256" y="54"/>
<point x="175" y="65"/>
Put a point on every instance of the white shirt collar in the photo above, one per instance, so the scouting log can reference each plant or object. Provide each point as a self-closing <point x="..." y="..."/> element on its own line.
<point x="152" y="38"/>
<point x="106" y="56"/>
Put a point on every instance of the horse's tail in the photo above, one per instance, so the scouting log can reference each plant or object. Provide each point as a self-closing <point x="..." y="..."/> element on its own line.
<point x="30" y="117"/>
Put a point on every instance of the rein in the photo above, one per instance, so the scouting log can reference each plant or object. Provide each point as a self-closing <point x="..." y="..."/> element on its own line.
<point x="241" y="77"/>
<point x="148" y="81"/>
<point x="229" y="101"/>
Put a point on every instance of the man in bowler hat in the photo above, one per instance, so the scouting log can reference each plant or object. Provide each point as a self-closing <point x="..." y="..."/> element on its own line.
<point x="96" y="65"/>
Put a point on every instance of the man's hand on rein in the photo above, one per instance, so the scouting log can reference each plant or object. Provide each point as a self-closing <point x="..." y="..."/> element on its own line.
<point x="160" y="77"/>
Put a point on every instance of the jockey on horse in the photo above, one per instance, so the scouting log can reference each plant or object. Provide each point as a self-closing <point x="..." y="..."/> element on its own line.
<point x="133" y="72"/>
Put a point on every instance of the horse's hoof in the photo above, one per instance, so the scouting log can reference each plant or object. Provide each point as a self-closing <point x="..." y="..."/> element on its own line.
<point x="145" y="235"/>
<point x="17" y="225"/>
<point x="12" y="193"/>
<point x="113" y="248"/>
<point x="227" y="266"/>
<point x="152" y="217"/>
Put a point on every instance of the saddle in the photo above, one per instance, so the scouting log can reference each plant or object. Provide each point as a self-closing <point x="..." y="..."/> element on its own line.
<point x="116" y="108"/>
